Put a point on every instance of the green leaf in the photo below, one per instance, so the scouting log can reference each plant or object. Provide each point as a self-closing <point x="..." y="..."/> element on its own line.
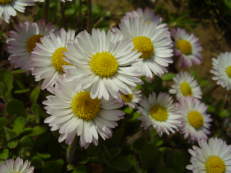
<point x="37" y="130"/>
<point x="12" y="144"/>
<point x="224" y="113"/>
<point x="168" y="76"/>
<point x="135" y="115"/>
<point x="37" y="110"/>
<point x="19" y="125"/>
<point x="35" y="94"/>
<point x="4" y="154"/>
<point x="128" y="110"/>
<point x="6" y="84"/>
<point x="228" y="3"/>
<point x="16" y="107"/>
<point x="22" y="91"/>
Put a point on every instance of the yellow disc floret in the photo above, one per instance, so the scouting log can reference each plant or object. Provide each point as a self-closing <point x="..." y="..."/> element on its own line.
<point x="32" y="41"/>
<point x="127" y="98"/>
<point x="195" y="119"/>
<point x="159" y="113"/>
<point x="4" y="2"/>
<point x="215" y="164"/>
<point x="84" y="107"/>
<point x="143" y="45"/>
<point x="57" y="59"/>
<point x="104" y="64"/>
<point x="185" y="89"/>
<point x="184" y="46"/>
<point x="228" y="71"/>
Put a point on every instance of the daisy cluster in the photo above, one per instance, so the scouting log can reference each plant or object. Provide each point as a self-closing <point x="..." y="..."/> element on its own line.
<point x="9" y="8"/>
<point x="91" y="76"/>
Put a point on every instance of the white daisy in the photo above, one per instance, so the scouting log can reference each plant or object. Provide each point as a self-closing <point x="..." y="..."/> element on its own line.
<point x="16" y="166"/>
<point x="159" y="112"/>
<point x="185" y="85"/>
<point x="147" y="14"/>
<point x="48" y="57"/>
<point x="152" y="41"/>
<point x="9" y="8"/>
<point x="196" y="121"/>
<point x="102" y="64"/>
<point x="132" y="99"/>
<point x="187" y="47"/>
<point x="222" y="70"/>
<point x="74" y="113"/>
<point x="213" y="156"/>
<point x="23" y="40"/>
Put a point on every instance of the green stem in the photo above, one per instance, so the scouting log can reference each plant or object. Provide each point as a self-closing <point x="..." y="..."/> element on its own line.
<point x="63" y="13"/>
<point x="46" y="10"/>
<point x="89" y="17"/>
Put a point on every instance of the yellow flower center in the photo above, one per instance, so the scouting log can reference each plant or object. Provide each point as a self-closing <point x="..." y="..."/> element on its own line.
<point x="4" y="2"/>
<point x="32" y="41"/>
<point x="104" y="64"/>
<point x="127" y="98"/>
<point x="228" y="71"/>
<point x="184" y="46"/>
<point x="84" y="106"/>
<point x="185" y="89"/>
<point x="195" y="119"/>
<point x="159" y="113"/>
<point x="143" y="45"/>
<point x="215" y="164"/>
<point x="57" y="59"/>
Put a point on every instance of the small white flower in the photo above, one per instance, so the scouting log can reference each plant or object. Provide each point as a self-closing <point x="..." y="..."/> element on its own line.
<point x="213" y="156"/>
<point x="187" y="47"/>
<point x="196" y="121"/>
<point x="16" y="166"/>
<point x="103" y="64"/>
<point x="48" y="57"/>
<point x="74" y="113"/>
<point x="147" y="14"/>
<point x="23" y="40"/>
<point x="9" y="8"/>
<point x="159" y="112"/>
<point x="152" y="41"/>
<point x="132" y="99"/>
<point x="222" y="70"/>
<point x="185" y="85"/>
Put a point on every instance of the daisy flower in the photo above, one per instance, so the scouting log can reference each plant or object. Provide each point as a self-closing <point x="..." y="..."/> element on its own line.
<point x="22" y="41"/>
<point x="213" y="156"/>
<point x="196" y="121"/>
<point x="222" y="70"/>
<point x="103" y="65"/>
<point x="185" y="85"/>
<point x="16" y="166"/>
<point x="74" y="113"/>
<point x="48" y="57"/>
<point x="132" y="99"/>
<point x="152" y="41"/>
<point x="9" y="8"/>
<point x="187" y="48"/>
<point x="159" y="112"/>
<point x="147" y="14"/>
